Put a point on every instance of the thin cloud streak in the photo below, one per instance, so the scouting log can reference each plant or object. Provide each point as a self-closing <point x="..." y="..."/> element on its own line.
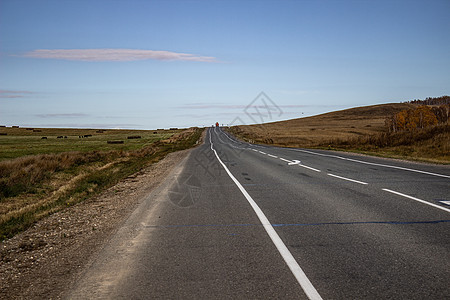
<point x="87" y="125"/>
<point x="10" y="94"/>
<point x="226" y="106"/>
<point x="98" y="55"/>
<point x="69" y="115"/>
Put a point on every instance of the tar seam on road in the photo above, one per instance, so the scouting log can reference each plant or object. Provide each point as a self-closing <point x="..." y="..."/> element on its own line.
<point x="295" y="268"/>
<point x="417" y="199"/>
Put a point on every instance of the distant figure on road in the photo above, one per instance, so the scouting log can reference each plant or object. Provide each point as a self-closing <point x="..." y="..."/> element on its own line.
<point x="217" y="124"/>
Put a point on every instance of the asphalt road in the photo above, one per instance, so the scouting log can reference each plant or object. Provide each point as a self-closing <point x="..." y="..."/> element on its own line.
<point x="241" y="221"/>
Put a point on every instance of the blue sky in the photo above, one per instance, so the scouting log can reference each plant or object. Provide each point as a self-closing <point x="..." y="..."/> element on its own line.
<point x="159" y="64"/>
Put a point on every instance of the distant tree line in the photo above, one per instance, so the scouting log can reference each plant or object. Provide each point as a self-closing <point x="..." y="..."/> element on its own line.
<point x="431" y="101"/>
<point x="419" y="117"/>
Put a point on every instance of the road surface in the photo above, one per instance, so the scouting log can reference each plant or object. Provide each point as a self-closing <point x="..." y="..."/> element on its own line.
<point x="236" y="220"/>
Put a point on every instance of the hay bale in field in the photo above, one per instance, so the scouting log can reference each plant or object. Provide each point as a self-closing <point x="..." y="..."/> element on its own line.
<point x="131" y="137"/>
<point x="60" y="137"/>
<point x="155" y="132"/>
<point x="15" y="126"/>
<point x="115" y="142"/>
<point x="87" y="135"/>
<point x="29" y="128"/>
<point x="43" y="138"/>
<point x="3" y="133"/>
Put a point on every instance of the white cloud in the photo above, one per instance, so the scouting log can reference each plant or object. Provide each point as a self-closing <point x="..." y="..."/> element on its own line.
<point x="115" y="55"/>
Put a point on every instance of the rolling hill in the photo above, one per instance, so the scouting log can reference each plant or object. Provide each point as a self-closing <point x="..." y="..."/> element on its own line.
<point x="360" y="129"/>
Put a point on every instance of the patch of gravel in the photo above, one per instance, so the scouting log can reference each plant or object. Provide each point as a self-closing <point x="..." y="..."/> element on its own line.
<point x="44" y="261"/>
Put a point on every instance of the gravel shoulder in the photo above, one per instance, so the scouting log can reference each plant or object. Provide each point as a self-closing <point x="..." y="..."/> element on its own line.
<point x="45" y="260"/>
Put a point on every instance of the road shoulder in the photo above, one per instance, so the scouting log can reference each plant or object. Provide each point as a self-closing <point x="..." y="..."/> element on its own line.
<point x="45" y="260"/>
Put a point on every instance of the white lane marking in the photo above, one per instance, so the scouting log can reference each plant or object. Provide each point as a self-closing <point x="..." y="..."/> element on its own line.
<point x="417" y="199"/>
<point x="262" y="152"/>
<point x="228" y="144"/>
<point x="300" y="165"/>
<point x="274" y="156"/>
<point x="373" y="164"/>
<point x="303" y="166"/>
<point x="255" y="150"/>
<point x="286" y="160"/>
<point x="294" y="162"/>
<point x="295" y="268"/>
<point x="234" y="141"/>
<point x="229" y="137"/>
<point x="445" y="202"/>
<point x="348" y="179"/>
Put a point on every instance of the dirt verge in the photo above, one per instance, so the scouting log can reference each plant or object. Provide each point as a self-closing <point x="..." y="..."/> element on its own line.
<point x="43" y="261"/>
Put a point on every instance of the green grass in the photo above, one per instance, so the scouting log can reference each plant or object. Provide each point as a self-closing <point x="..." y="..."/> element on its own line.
<point x="42" y="182"/>
<point x="21" y="142"/>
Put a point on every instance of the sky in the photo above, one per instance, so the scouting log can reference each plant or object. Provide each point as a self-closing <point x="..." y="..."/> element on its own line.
<point x="160" y="64"/>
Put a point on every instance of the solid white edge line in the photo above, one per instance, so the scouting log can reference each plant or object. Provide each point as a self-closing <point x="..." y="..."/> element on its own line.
<point x="373" y="164"/>
<point x="295" y="268"/>
<point x="348" y="179"/>
<point x="417" y="199"/>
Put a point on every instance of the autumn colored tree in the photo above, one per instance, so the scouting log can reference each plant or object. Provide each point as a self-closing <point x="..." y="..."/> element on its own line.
<point x="411" y="119"/>
<point x="443" y="100"/>
<point x="442" y="113"/>
<point x="423" y="117"/>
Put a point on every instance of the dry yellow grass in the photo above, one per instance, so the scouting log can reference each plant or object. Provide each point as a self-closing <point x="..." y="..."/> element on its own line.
<point x="318" y="130"/>
<point x="360" y="129"/>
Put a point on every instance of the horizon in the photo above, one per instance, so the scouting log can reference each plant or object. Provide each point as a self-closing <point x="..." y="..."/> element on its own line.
<point x="153" y="64"/>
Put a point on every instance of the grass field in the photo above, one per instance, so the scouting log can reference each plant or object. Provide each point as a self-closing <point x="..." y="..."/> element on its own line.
<point x="23" y="141"/>
<point x="41" y="176"/>
<point x="360" y="129"/>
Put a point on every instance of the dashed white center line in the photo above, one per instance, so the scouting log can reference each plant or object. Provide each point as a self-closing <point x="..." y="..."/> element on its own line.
<point x="348" y="179"/>
<point x="303" y="166"/>
<point x="286" y="160"/>
<point x="262" y="152"/>
<point x="417" y="199"/>
<point x="274" y="156"/>
<point x="293" y="265"/>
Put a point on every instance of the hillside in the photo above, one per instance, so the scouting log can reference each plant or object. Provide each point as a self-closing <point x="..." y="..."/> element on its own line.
<point x="321" y="129"/>
<point x="360" y="129"/>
